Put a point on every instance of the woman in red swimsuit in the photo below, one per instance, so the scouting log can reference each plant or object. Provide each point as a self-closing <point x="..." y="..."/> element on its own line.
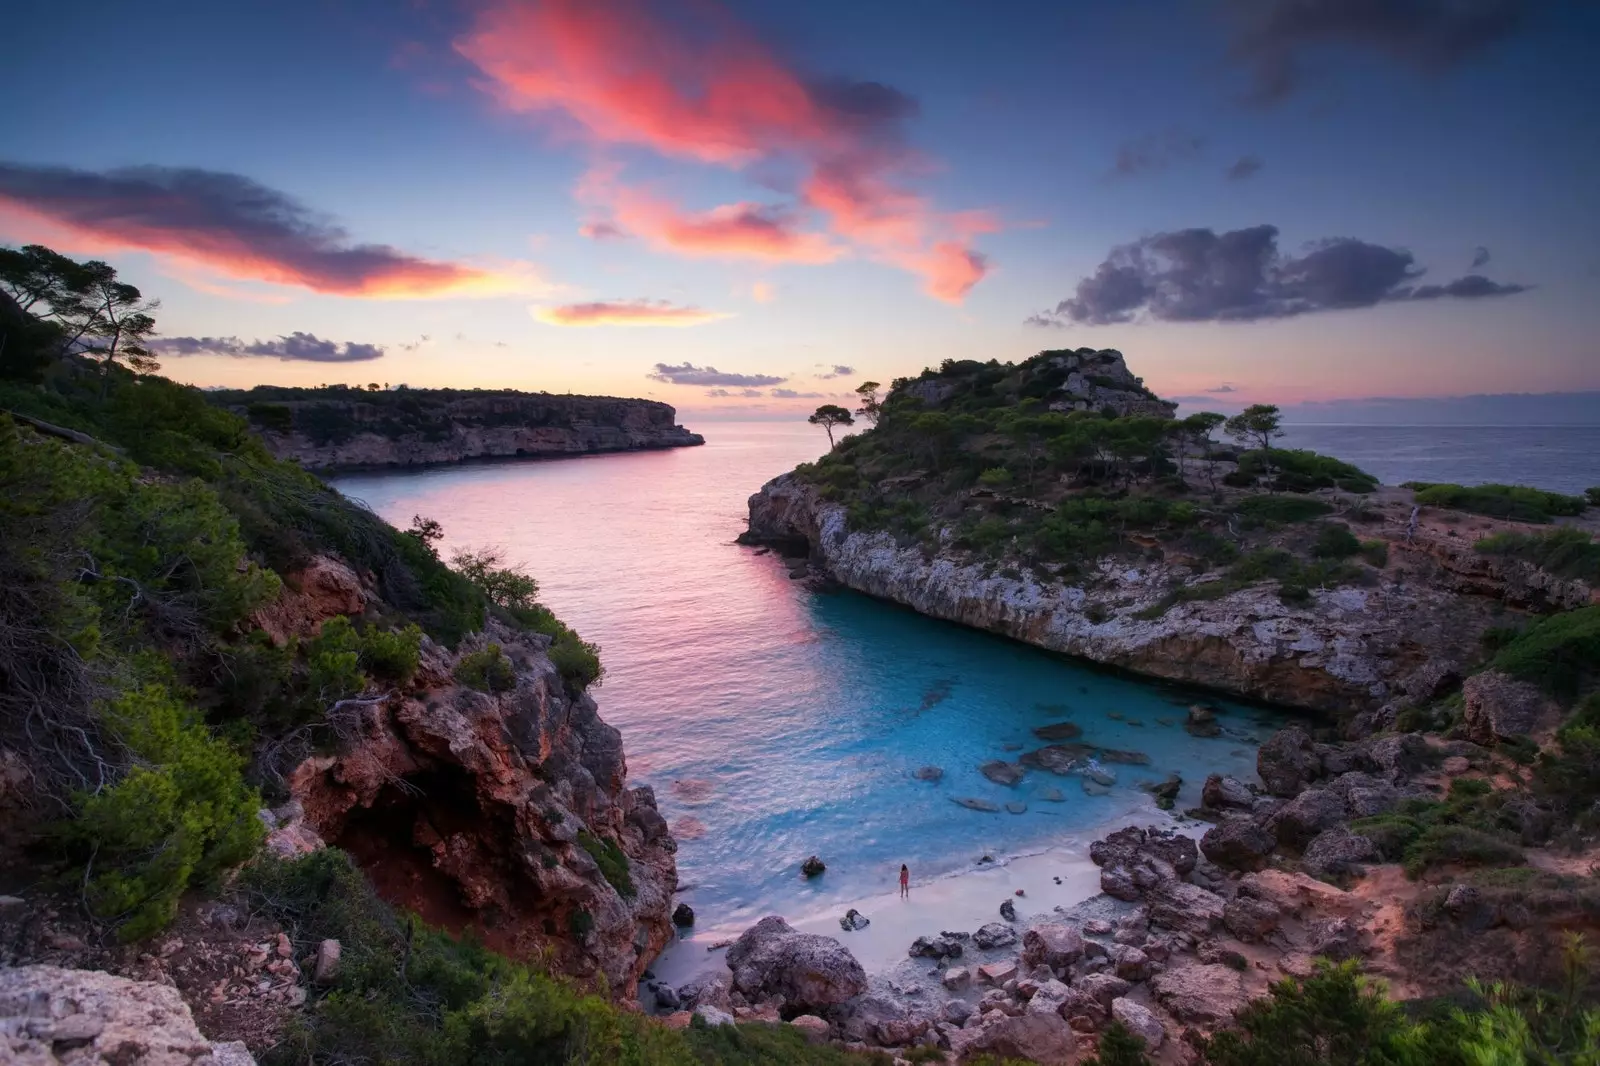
<point x="905" y="882"/>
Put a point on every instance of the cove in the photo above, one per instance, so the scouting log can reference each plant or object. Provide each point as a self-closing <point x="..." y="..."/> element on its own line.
<point x="775" y="722"/>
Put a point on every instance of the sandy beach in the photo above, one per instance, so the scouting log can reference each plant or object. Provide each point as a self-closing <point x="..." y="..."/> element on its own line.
<point x="1054" y="880"/>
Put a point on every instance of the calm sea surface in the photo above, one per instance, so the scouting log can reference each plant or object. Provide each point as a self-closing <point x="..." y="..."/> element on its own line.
<point x="776" y="723"/>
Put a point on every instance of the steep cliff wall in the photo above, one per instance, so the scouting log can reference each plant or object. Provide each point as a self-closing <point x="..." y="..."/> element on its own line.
<point x="1347" y="649"/>
<point x="325" y="429"/>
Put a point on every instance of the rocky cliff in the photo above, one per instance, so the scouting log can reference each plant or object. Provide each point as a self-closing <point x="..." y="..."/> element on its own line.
<point x="1348" y="648"/>
<point x="504" y="812"/>
<point x="325" y="429"/>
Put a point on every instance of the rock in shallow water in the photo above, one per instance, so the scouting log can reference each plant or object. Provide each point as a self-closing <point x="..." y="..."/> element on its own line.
<point x="683" y="916"/>
<point x="928" y="773"/>
<point x="813" y="866"/>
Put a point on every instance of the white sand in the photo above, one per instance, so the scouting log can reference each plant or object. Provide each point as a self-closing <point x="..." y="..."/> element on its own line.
<point x="961" y="901"/>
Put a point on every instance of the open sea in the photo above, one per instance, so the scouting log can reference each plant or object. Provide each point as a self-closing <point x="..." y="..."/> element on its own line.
<point x="776" y="723"/>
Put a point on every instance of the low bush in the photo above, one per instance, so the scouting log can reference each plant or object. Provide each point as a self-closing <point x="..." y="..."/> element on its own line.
<point x="578" y="661"/>
<point x="1267" y="510"/>
<point x="1560" y="652"/>
<point x="487" y="670"/>
<point x="1296" y="470"/>
<point x="1517" y="502"/>
<point x="613" y="863"/>
<point x="1471" y="826"/>
<point x="391" y="655"/>
<point x="1459" y="845"/>
<point x="1375" y="552"/>
<point x="1335" y="541"/>
<point x="1566" y="552"/>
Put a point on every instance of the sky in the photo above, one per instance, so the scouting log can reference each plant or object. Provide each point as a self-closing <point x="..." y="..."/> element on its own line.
<point x="747" y="207"/>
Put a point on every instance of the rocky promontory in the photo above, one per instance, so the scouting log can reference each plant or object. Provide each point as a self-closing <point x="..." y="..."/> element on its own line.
<point x="1070" y="511"/>
<point x="340" y="428"/>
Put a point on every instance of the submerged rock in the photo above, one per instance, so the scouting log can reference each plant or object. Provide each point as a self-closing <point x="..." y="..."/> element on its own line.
<point x="972" y="803"/>
<point x="1202" y="722"/>
<point x="928" y="773"/>
<point x="1017" y="808"/>
<point x="1001" y="772"/>
<point x="813" y="866"/>
<point x="1059" y="731"/>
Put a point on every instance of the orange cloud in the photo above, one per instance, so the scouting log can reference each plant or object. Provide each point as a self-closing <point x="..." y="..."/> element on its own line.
<point x="232" y="225"/>
<point x="625" y="313"/>
<point x="700" y="87"/>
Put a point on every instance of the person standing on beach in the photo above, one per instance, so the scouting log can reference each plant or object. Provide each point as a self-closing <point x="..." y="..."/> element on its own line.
<point x="905" y="882"/>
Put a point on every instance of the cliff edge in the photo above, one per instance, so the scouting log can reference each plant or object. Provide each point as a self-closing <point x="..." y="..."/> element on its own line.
<point x="325" y="429"/>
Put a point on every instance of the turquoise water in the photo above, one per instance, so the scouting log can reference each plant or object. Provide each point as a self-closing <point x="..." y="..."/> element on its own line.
<point x="775" y="722"/>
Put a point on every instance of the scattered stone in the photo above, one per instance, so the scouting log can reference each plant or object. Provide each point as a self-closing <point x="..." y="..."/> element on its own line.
<point x="949" y="935"/>
<point x="713" y="1016"/>
<point x="1188" y="908"/>
<point x="1165" y="792"/>
<point x="1335" y="938"/>
<point x="1131" y="963"/>
<point x="1059" y="731"/>
<point x="1455" y="765"/>
<point x="1500" y="707"/>
<point x="995" y="935"/>
<point x="1001" y="772"/>
<point x="326" y="968"/>
<point x="1286" y="763"/>
<point x="1297" y="822"/>
<point x="1097" y="927"/>
<point x="1338" y="852"/>
<point x="853" y="920"/>
<point x="49" y="1014"/>
<point x="1008" y="910"/>
<point x="710" y="989"/>
<point x="1141" y="1021"/>
<point x="997" y="973"/>
<point x="1202" y="722"/>
<point x="1400" y="755"/>
<point x="1205" y="994"/>
<point x="928" y="773"/>
<point x="667" y="999"/>
<point x="973" y="804"/>
<point x="1250" y="919"/>
<point x="957" y="978"/>
<point x="773" y="960"/>
<point x="813" y="866"/>
<point x="1226" y="793"/>
<point x="1238" y="845"/>
<point x="1047" y="998"/>
<point x="935" y="947"/>
<point x="815" y="1028"/>
<point x="1034" y="1037"/>
<point x="718" y="945"/>
<point x="956" y="1011"/>
<point x="1054" y="945"/>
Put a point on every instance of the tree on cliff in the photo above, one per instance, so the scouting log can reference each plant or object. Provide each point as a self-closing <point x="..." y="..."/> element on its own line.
<point x="120" y="324"/>
<point x="1259" y="424"/>
<point x="871" y="406"/>
<point x="829" y="415"/>
<point x="1196" y="430"/>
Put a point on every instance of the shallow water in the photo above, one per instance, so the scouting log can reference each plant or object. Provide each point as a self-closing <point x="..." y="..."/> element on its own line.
<point x="774" y="722"/>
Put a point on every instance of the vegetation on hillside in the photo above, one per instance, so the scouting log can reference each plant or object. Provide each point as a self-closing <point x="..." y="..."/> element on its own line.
<point x="144" y="527"/>
<point x="973" y="458"/>
<point x="1517" y="502"/>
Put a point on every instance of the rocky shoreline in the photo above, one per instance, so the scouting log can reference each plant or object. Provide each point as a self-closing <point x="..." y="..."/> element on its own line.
<point x="1376" y="649"/>
<point x="423" y="427"/>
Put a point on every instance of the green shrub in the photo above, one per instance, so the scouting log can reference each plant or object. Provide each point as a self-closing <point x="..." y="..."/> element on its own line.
<point x="1296" y="470"/>
<point x="1560" y="652"/>
<point x="613" y="863"/>
<point x="273" y="416"/>
<point x="333" y="664"/>
<point x="1119" y="1046"/>
<point x="487" y="670"/>
<point x="1566" y="552"/>
<point x="1592" y="494"/>
<point x="391" y="655"/>
<point x="1517" y="502"/>
<point x="996" y="477"/>
<point x="1443" y="845"/>
<point x="577" y="660"/>
<point x="181" y="815"/>
<point x="1279" y="510"/>
<point x="1375" y="552"/>
<point x="1568" y="775"/>
<point x="1335" y="541"/>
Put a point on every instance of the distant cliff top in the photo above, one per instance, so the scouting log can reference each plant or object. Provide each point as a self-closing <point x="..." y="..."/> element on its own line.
<point x="344" y="427"/>
<point x="1061" y="380"/>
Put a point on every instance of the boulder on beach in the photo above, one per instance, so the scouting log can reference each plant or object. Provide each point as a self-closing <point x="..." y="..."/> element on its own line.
<point x="773" y="960"/>
<point x="1238" y="845"/>
<point x="1054" y="945"/>
<point x="1140" y="1021"/>
<point x="1206" y="994"/>
<point x="683" y="916"/>
<point x="1001" y="772"/>
<point x="995" y="935"/>
<point x="936" y="947"/>
<point x="1035" y="1037"/>
<point x="1221" y="793"/>
<point x="853" y="920"/>
<point x="1008" y="910"/>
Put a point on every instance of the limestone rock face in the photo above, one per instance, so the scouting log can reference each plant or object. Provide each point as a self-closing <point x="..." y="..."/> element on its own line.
<point x="1346" y="649"/>
<point x="1286" y="763"/>
<point x="1185" y="907"/>
<point x="50" y="1015"/>
<point x="1039" y="1037"/>
<point x="1499" y="706"/>
<point x="1298" y="822"/>
<point x="1140" y="1020"/>
<point x="1207" y="994"/>
<point x="1224" y="793"/>
<point x="1241" y="844"/>
<point x="1054" y="945"/>
<point x="805" y="971"/>
<point x="493" y="811"/>
<point x="324" y="588"/>
<point x="504" y="425"/>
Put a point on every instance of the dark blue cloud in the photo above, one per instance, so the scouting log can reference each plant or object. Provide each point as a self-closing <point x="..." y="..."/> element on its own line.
<point x="291" y="347"/>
